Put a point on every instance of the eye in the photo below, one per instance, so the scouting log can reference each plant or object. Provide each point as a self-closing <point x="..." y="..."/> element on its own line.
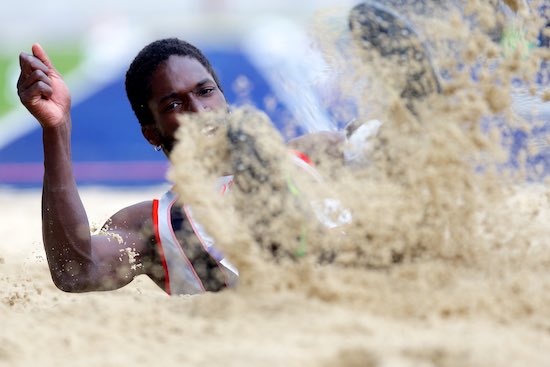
<point x="172" y="106"/>
<point x="206" y="91"/>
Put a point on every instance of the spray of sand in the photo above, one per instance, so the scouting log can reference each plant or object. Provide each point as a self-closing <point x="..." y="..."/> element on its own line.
<point x="442" y="224"/>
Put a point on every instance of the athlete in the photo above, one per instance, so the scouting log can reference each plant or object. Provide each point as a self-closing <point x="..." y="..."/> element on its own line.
<point x="158" y="238"/>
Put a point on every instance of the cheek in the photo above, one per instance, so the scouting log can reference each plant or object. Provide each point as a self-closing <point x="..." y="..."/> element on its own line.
<point x="169" y="125"/>
<point x="219" y="103"/>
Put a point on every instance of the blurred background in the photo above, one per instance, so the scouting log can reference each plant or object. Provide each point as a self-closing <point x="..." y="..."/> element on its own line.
<point x="261" y="51"/>
<point x="92" y="44"/>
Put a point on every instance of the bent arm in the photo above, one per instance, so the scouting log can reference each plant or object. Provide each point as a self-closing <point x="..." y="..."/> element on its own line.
<point x="78" y="261"/>
<point x="65" y="227"/>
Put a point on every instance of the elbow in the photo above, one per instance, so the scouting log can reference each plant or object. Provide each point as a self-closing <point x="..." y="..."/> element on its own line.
<point x="71" y="276"/>
<point x="82" y="282"/>
<point x="73" y="279"/>
<point x="70" y="284"/>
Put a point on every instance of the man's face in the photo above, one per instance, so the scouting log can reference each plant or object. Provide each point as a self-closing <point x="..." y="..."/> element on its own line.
<point x="180" y="85"/>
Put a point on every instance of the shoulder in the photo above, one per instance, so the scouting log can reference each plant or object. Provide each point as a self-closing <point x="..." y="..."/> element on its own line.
<point x="134" y="226"/>
<point x="132" y="217"/>
<point x="325" y="149"/>
<point x="319" y="144"/>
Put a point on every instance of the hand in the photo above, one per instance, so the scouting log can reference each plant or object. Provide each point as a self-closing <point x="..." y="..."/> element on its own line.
<point x="42" y="90"/>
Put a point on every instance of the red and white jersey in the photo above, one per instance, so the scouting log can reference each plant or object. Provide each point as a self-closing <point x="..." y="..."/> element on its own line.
<point x="191" y="262"/>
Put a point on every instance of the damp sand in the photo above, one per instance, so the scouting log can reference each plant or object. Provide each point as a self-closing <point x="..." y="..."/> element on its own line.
<point x="431" y="313"/>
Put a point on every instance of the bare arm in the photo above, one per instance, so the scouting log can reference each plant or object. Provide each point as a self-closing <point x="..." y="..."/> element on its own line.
<point x="77" y="261"/>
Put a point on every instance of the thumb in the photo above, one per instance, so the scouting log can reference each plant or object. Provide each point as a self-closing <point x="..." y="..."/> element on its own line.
<point x="39" y="52"/>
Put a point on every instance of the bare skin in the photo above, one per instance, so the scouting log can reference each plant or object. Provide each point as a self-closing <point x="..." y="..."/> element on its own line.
<point x="78" y="260"/>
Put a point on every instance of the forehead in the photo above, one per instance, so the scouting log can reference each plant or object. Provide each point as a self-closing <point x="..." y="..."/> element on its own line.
<point x="177" y="73"/>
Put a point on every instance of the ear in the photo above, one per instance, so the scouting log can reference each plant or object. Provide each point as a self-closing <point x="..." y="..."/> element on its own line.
<point x="151" y="133"/>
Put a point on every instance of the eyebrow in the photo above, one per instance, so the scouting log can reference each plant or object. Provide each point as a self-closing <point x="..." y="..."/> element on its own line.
<point x="198" y="85"/>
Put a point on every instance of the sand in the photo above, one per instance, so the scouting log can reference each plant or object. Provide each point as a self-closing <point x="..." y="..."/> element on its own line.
<point x="429" y="313"/>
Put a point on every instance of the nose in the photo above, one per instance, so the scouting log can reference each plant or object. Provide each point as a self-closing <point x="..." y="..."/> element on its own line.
<point x="197" y="106"/>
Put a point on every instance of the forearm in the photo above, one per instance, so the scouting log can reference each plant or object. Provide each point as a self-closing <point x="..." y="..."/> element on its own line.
<point x="65" y="227"/>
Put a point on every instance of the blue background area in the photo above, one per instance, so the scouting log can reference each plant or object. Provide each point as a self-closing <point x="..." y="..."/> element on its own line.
<point x="106" y="129"/>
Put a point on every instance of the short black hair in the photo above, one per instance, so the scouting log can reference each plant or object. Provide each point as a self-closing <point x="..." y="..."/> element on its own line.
<point x="138" y="76"/>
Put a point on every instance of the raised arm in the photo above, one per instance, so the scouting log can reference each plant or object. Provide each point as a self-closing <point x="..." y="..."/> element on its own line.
<point x="77" y="260"/>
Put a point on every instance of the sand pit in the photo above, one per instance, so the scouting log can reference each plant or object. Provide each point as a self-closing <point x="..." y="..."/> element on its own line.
<point x="430" y="313"/>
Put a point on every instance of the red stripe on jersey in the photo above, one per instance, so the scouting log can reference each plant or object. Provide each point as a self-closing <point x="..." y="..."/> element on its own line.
<point x="159" y="244"/>
<point x="302" y="156"/>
